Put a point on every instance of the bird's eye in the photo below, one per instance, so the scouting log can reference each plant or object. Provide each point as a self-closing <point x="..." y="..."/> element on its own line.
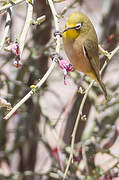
<point x="78" y="26"/>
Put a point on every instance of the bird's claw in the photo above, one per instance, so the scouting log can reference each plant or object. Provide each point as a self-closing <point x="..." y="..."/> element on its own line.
<point x="58" y="33"/>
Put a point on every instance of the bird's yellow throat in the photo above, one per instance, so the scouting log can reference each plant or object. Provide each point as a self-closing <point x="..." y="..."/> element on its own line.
<point x="70" y="34"/>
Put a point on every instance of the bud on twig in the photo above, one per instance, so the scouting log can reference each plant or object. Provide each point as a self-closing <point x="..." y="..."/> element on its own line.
<point x="38" y="21"/>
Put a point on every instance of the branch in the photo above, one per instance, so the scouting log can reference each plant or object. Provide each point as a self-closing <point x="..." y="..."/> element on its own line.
<point x="26" y="26"/>
<point x="109" y="55"/>
<point x="75" y="127"/>
<point x="11" y="4"/>
<point x="39" y="84"/>
<point x="7" y="27"/>
<point x="55" y="16"/>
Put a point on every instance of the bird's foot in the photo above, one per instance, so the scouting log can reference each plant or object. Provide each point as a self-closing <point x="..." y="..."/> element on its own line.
<point x="58" y="33"/>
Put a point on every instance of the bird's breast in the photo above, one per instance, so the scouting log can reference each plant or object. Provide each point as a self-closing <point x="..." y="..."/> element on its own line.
<point x="77" y="56"/>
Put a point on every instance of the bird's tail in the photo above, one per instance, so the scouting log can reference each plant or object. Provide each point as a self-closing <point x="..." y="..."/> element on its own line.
<point x="98" y="78"/>
<point x="103" y="88"/>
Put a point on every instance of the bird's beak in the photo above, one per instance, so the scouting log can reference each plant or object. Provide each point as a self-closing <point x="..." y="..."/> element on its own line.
<point x="68" y="28"/>
<point x="77" y="27"/>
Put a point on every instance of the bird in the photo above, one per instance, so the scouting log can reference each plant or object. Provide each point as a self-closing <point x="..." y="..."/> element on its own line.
<point x="81" y="46"/>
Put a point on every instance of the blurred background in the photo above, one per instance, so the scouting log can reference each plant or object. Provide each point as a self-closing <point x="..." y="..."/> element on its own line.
<point x="35" y="141"/>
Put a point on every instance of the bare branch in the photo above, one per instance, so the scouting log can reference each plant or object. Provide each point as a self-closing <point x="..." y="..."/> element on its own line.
<point x="110" y="55"/>
<point x="39" y="84"/>
<point x="11" y="4"/>
<point x="75" y="128"/>
<point x="26" y="26"/>
<point x="7" y="26"/>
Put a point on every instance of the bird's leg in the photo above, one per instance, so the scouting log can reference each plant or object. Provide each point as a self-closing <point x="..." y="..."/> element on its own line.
<point x="58" y="33"/>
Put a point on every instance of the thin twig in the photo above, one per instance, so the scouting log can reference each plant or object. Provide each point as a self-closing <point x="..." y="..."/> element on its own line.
<point x="39" y="84"/>
<point x="26" y="26"/>
<point x="109" y="56"/>
<point x="112" y="53"/>
<point x="75" y="127"/>
<point x="55" y="16"/>
<point x="11" y="4"/>
<point x="7" y="27"/>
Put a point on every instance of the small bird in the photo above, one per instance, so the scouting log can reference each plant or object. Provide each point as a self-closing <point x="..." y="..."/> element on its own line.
<point x="81" y="46"/>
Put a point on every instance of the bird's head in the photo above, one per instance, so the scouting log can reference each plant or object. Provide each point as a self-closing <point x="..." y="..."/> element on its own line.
<point x="76" y="24"/>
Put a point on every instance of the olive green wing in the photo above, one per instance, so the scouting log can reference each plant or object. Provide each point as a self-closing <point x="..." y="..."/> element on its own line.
<point x="90" y="49"/>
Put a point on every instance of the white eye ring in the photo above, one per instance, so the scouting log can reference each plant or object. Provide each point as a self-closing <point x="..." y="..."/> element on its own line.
<point x="78" y="26"/>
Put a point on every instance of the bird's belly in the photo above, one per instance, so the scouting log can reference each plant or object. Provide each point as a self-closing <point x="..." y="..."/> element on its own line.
<point x="78" y="59"/>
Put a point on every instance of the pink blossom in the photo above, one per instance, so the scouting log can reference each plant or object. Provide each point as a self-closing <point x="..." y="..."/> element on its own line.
<point x="66" y="67"/>
<point x="17" y="63"/>
<point x="15" y="49"/>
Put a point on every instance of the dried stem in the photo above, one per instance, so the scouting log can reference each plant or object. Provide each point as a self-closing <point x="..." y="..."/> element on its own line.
<point x="108" y="55"/>
<point x="26" y="26"/>
<point x="39" y="84"/>
<point x="11" y="4"/>
<point x="55" y="16"/>
<point x="7" y="27"/>
<point x="75" y="127"/>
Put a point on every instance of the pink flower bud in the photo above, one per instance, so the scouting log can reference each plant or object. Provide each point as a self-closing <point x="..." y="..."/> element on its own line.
<point x="66" y="67"/>
<point x="17" y="64"/>
<point x="15" y="49"/>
